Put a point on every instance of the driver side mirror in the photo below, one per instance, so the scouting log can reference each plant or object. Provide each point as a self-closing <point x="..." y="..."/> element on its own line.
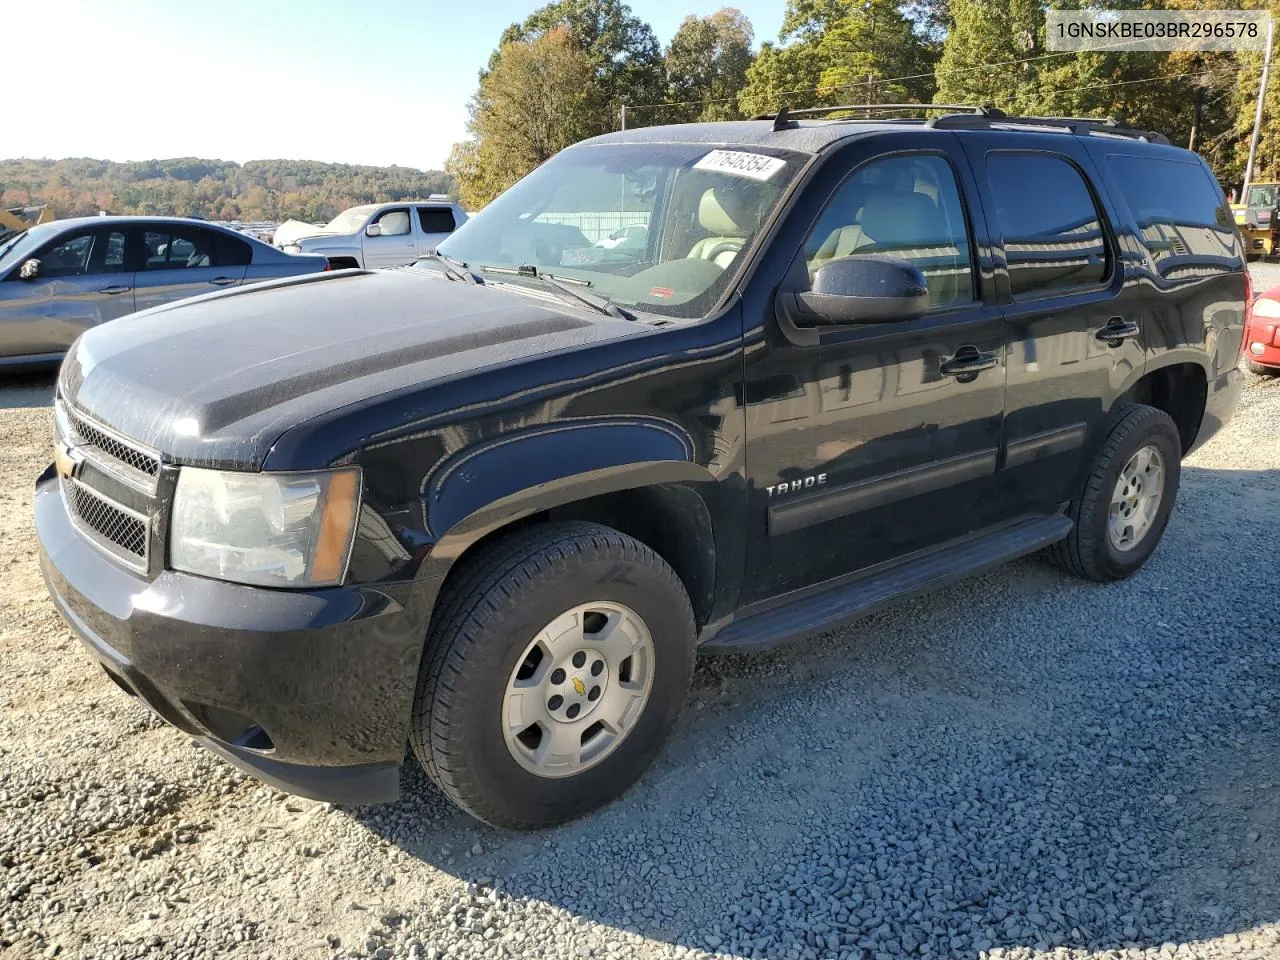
<point x="859" y="289"/>
<point x="30" y="270"/>
<point x="373" y="230"/>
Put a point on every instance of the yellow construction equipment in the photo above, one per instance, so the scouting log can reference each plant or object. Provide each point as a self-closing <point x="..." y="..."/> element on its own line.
<point x="14" y="220"/>
<point x="1258" y="218"/>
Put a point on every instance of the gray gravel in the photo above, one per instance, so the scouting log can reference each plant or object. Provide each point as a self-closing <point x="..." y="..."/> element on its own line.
<point x="1021" y="766"/>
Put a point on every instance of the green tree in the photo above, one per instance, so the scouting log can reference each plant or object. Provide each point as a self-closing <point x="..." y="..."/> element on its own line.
<point x="707" y="60"/>
<point x="624" y="55"/>
<point x="867" y="49"/>
<point x="842" y="51"/>
<point x="976" y="63"/>
<point x="539" y="98"/>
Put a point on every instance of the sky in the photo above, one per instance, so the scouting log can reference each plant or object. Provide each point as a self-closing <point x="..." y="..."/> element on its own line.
<point x="377" y="82"/>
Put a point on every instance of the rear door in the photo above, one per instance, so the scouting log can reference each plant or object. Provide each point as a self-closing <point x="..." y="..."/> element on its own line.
<point x="1073" y="330"/>
<point x="83" y="281"/>
<point x="395" y="244"/>
<point x="176" y="261"/>
<point x="435" y="223"/>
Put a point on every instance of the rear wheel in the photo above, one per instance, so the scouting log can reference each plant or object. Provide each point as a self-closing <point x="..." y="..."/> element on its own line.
<point x="554" y="669"/>
<point x="1122" y="512"/>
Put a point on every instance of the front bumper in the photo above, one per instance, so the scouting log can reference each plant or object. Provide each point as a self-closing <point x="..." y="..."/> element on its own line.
<point x="310" y="691"/>
<point x="1266" y="334"/>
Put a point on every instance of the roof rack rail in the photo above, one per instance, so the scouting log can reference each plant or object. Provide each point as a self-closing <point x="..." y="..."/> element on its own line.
<point x="1080" y="126"/>
<point x="782" y="119"/>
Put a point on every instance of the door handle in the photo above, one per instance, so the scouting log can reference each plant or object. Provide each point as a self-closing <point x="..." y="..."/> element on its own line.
<point x="967" y="364"/>
<point x="114" y="289"/>
<point x="1117" y="330"/>
<point x="222" y="281"/>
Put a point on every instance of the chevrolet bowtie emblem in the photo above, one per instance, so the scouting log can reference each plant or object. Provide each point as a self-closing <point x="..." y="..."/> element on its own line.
<point x="66" y="460"/>
<point x="579" y="686"/>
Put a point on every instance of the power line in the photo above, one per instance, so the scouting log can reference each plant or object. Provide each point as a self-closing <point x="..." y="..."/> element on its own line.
<point x="918" y="76"/>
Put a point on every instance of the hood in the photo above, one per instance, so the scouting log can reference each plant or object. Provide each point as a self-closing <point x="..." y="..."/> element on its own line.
<point x="214" y="381"/>
<point x="291" y="231"/>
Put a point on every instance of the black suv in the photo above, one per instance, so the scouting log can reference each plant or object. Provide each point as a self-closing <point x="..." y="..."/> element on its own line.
<point x="705" y="387"/>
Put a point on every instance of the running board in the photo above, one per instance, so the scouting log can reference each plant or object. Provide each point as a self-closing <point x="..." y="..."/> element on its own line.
<point x="835" y="606"/>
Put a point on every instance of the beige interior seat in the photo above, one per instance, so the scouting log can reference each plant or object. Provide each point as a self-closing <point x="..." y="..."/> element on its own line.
<point x="394" y="224"/>
<point x="727" y="235"/>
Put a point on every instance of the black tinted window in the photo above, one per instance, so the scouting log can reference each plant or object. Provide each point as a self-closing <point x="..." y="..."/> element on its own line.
<point x="909" y="207"/>
<point x="1184" y="223"/>
<point x="229" y="251"/>
<point x="1052" y="231"/>
<point x="436" y="219"/>
<point x="67" y="258"/>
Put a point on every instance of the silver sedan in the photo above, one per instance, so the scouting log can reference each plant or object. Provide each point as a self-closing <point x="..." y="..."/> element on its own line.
<point x="60" y="278"/>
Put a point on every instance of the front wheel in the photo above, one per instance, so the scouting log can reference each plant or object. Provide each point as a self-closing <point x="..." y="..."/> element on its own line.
<point x="555" y="667"/>
<point x="1121" y="513"/>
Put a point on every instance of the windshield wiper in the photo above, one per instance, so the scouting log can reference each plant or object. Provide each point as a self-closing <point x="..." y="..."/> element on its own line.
<point x="456" y="269"/>
<point x="602" y="304"/>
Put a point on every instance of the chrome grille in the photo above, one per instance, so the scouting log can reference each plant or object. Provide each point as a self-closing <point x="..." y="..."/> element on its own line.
<point x="117" y="529"/>
<point x="130" y="455"/>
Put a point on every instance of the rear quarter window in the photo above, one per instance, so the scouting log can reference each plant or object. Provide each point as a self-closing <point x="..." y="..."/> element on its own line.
<point x="1185" y="225"/>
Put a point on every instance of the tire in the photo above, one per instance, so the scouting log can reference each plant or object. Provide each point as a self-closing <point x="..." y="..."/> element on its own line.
<point x="1089" y="551"/>
<point x="492" y="615"/>
<point x="1261" y="371"/>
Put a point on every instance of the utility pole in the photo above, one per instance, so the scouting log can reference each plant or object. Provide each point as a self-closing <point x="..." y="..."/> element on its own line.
<point x="624" y="106"/>
<point x="1257" y="117"/>
<point x="1196" y="117"/>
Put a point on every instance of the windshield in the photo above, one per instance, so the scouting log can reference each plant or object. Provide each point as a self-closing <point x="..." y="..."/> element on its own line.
<point x="16" y="249"/>
<point x="1262" y="197"/>
<point x="660" y="227"/>
<point x="349" y="221"/>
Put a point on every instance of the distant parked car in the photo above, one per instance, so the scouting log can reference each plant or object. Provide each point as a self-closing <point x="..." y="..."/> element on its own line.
<point x="631" y="237"/>
<point x="375" y="234"/>
<point x="58" y="279"/>
<point x="1262" y="334"/>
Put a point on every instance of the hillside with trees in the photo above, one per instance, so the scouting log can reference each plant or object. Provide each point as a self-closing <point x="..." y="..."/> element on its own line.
<point x="578" y="63"/>
<point x="210" y="189"/>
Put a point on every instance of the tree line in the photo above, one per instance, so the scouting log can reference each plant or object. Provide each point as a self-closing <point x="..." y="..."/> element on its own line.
<point x="573" y="68"/>
<point x="210" y="189"/>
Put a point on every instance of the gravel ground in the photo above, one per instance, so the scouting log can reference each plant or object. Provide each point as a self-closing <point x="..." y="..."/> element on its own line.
<point x="1023" y="766"/>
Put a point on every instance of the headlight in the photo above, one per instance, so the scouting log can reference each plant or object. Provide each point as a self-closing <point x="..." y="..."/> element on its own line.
<point x="292" y="248"/>
<point x="1266" y="307"/>
<point x="275" y="530"/>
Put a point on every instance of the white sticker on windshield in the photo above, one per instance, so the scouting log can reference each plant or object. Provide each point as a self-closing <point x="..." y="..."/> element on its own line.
<point x="753" y="166"/>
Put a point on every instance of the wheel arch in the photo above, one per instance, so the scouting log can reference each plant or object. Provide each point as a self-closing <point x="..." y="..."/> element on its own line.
<point x="637" y="475"/>
<point x="1178" y="387"/>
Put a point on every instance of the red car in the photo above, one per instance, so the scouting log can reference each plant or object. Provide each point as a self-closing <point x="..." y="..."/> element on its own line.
<point x="1262" y="334"/>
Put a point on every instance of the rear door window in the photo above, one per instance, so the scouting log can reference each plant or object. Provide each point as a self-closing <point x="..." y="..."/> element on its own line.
<point x="436" y="219"/>
<point x="1180" y="213"/>
<point x="1053" y="237"/>
<point x="178" y="248"/>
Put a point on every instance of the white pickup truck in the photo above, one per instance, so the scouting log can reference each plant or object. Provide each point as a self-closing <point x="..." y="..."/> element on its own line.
<point x="375" y="234"/>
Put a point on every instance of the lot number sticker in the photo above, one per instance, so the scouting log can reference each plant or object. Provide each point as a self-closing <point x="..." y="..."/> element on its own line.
<point x="753" y="166"/>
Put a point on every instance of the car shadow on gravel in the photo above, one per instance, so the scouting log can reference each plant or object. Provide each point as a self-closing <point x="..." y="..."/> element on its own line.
<point x="1022" y="760"/>
<point x="28" y="390"/>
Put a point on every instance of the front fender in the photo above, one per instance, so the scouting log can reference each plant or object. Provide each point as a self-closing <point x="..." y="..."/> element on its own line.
<point x="550" y="465"/>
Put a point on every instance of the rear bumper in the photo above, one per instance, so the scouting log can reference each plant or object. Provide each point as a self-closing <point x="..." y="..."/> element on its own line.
<point x="309" y="691"/>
